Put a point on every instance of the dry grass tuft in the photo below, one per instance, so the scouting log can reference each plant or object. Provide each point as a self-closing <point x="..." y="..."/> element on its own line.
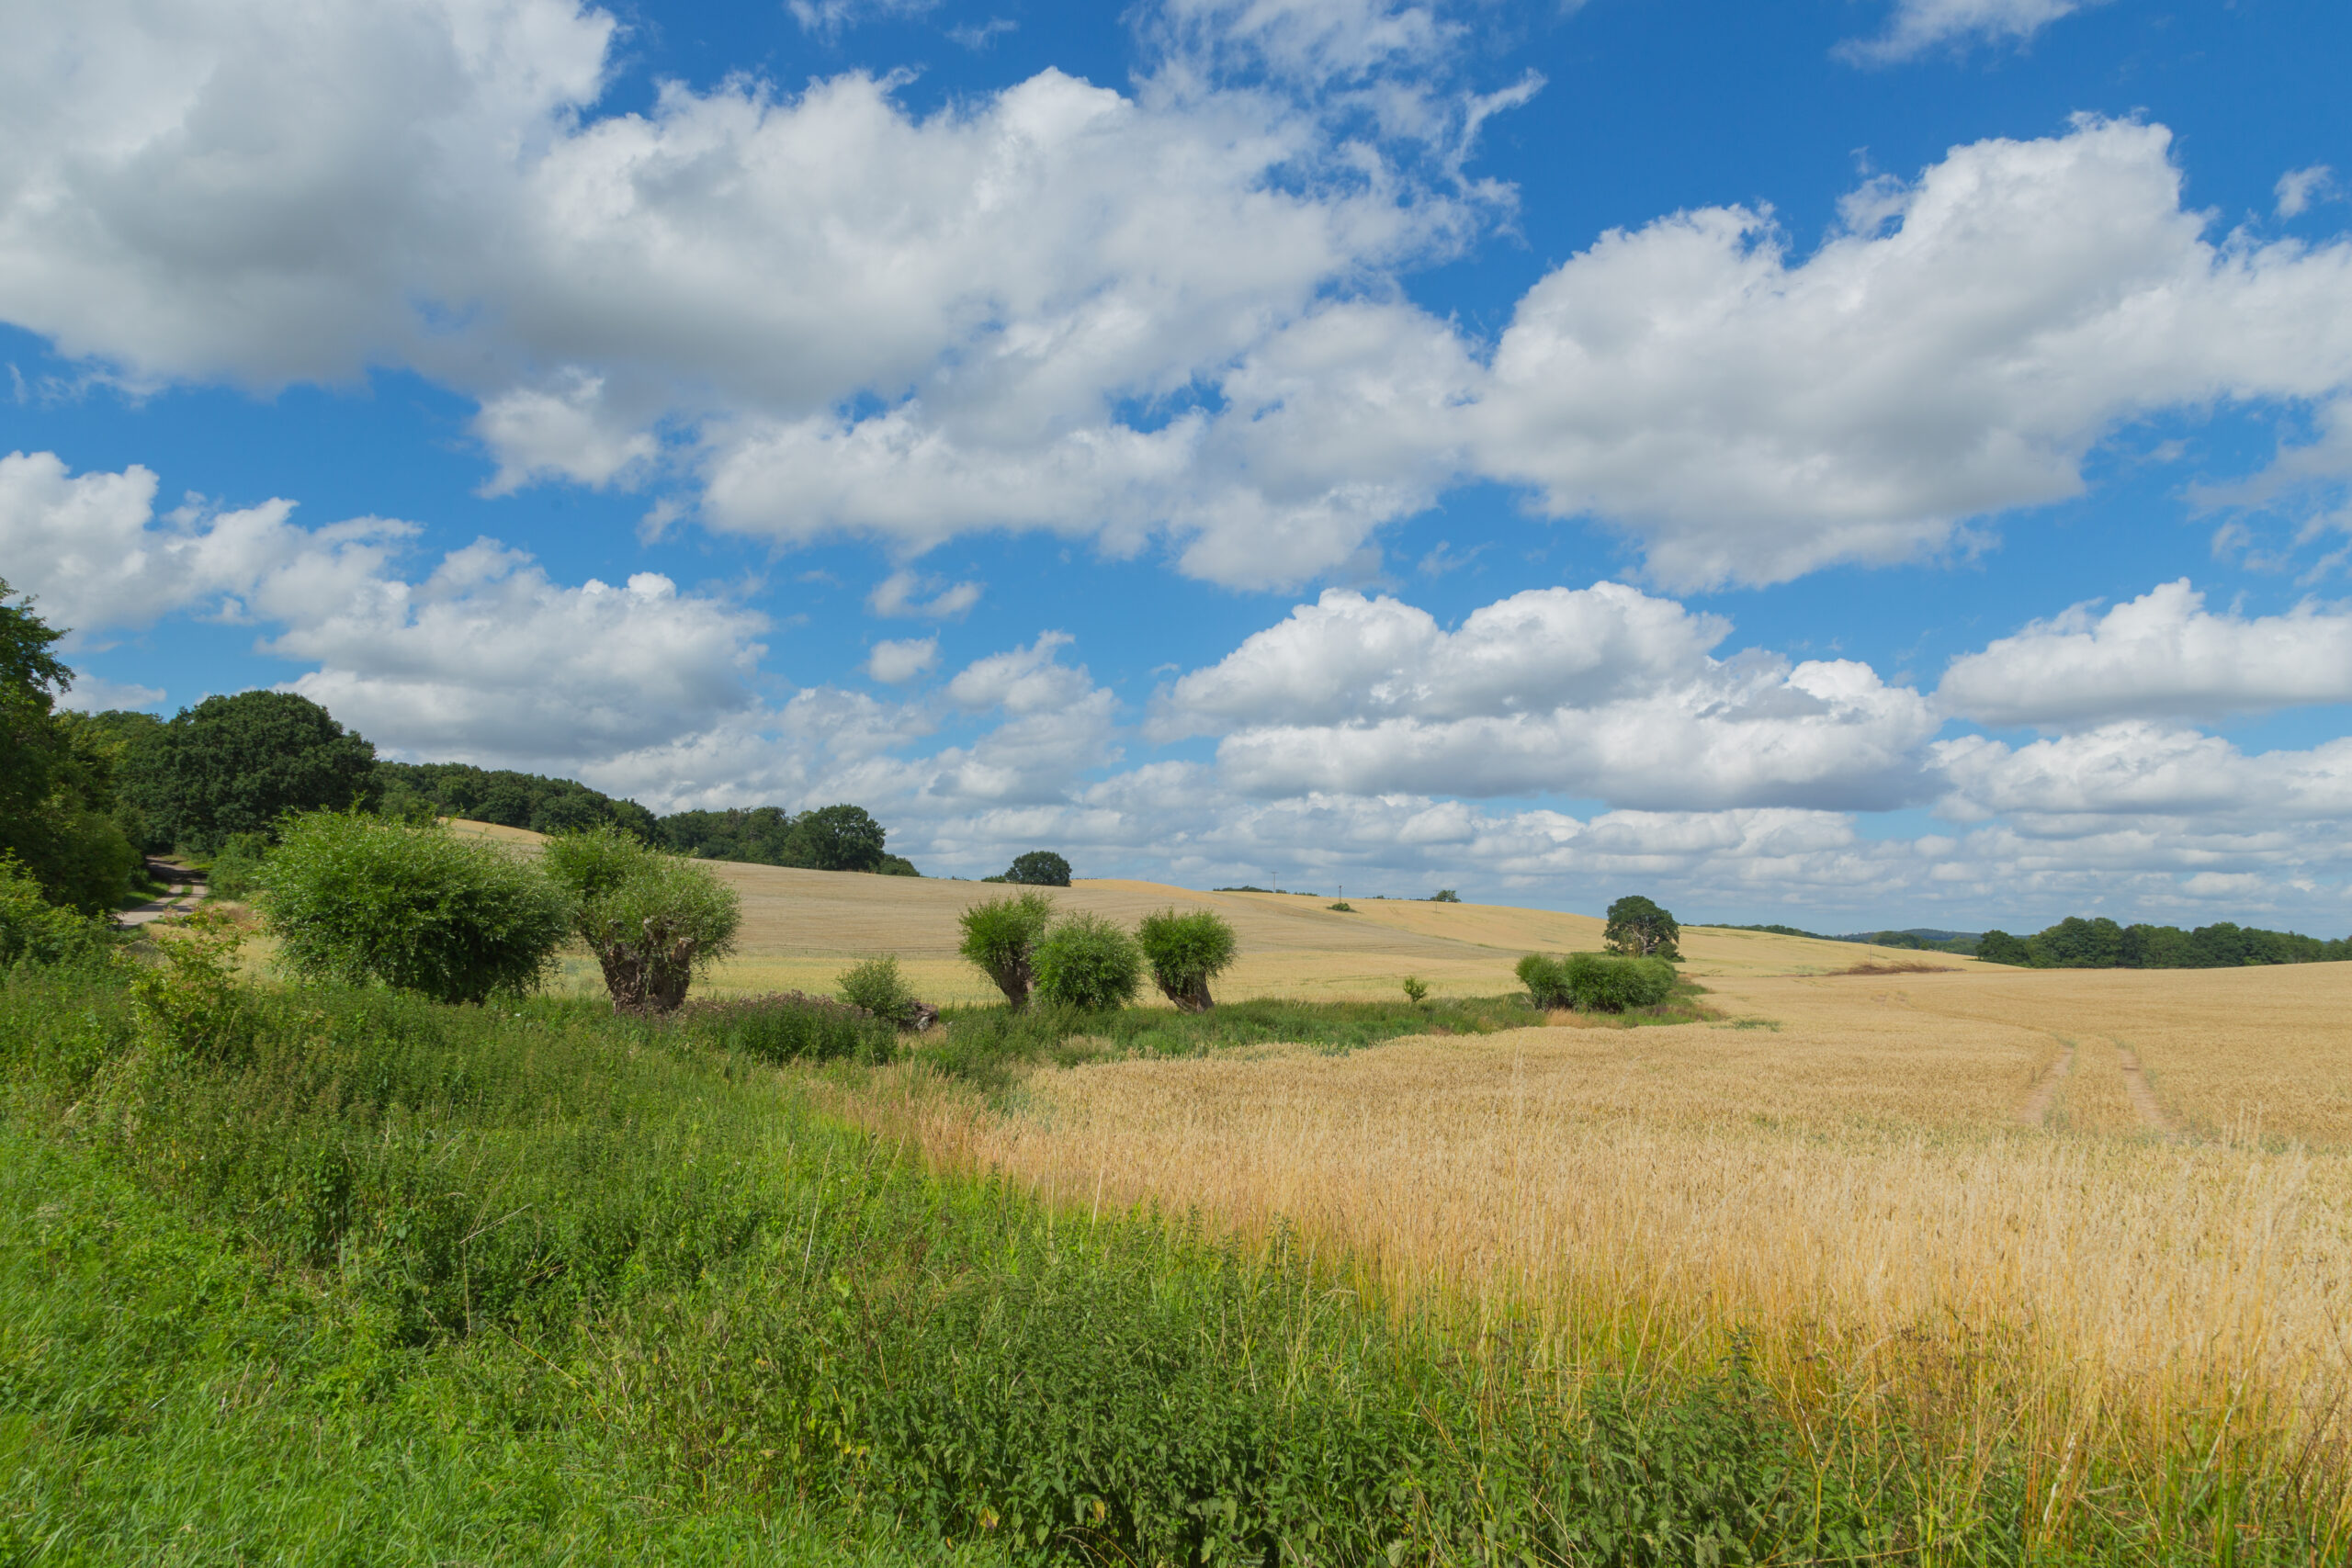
<point x="1897" y="966"/>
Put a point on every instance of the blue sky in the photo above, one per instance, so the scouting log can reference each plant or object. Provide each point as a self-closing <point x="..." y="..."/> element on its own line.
<point x="1849" y="462"/>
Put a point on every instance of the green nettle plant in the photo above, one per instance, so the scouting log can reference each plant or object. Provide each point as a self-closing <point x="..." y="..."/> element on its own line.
<point x="878" y="987"/>
<point x="356" y="900"/>
<point x="1085" y="962"/>
<point x="653" y="920"/>
<point x="1186" y="950"/>
<point x="1000" y="937"/>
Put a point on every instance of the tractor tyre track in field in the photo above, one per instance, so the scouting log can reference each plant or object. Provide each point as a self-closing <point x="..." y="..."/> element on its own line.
<point x="2036" y="1109"/>
<point x="2143" y="1095"/>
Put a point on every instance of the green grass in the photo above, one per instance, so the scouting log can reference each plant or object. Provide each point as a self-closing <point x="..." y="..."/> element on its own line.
<point x="338" y="1276"/>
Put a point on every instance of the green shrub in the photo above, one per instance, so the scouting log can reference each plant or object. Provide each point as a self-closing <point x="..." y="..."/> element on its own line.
<point x="1600" y="982"/>
<point x="236" y="870"/>
<point x="1186" y="950"/>
<point x="786" y="1026"/>
<point x="878" y="987"/>
<point x="1546" y="980"/>
<point x="190" y="1001"/>
<point x="1416" y="991"/>
<point x="356" y="900"/>
<point x="1085" y="962"/>
<point x="1001" y="936"/>
<point x="654" y="920"/>
<point x="34" y="930"/>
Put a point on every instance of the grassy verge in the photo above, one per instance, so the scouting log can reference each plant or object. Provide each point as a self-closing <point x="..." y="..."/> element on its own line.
<point x="990" y="1047"/>
<point x="338" y="1276"/>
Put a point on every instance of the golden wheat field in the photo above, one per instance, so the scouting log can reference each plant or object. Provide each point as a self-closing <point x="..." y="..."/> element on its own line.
<point x="2075" y="1211"/>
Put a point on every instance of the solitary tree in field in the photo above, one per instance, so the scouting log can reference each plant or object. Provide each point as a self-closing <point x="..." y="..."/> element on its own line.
<point x="1186" y="951"/>
<point x="1039" y="868"/>
<point x="1638" y="927"/>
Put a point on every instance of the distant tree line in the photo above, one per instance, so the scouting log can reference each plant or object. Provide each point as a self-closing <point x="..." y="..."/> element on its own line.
<point x="2100" y="943"/>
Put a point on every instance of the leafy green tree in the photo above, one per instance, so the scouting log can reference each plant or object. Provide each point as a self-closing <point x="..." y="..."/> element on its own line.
<point x="1186" y="950"/>
<point x="1039" y="868"/>
<point x="1000" y="937"/>
<point x="2077" y="943"/>
<point x="837" y="838"/>
<point x="1445" y="896"/>
<point x="1089" y="963"/>
<point x="354" y="898"/>
<point x="57" y="795"/>
<point x="236" y="765"/>
<point x="1641" y="928"/>
<point x="2000" y="947"/>
<point x="653" y="920"/>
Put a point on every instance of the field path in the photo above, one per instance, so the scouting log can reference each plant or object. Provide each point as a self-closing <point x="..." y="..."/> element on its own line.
<point x="2143" y="1095"/>
<point x="2036" y="1109"/>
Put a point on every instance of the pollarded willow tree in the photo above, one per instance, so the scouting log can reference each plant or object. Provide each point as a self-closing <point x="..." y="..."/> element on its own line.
<point x="1000" y="937"/>
<point x="654" y="920"/>
<point x="1186" y="950"/>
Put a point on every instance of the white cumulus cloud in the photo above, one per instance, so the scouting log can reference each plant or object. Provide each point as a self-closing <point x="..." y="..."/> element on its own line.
<point x="2161" y="655"/>
<point x="896" y="662"/>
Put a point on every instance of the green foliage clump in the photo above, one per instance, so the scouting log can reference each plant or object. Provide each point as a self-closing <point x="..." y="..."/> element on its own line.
<point x="511" y="799"/>
<point x="1546" y="979"/>
<point x="787" y="1026"/>
<point x="34" y="930"/>
<point x="57" y="776"/>
<point x="1445" y="896"/>
<point x="1416" y="991"/>
<point x="1000" y="937"/>
<point x="1089" y="963"/>
<point x="236" y="765"/>
<point x="1596" y="982"/>
<point x="237" y="865"/>
<point x="2100" y="943"/>
<point x="878" y="987"/>
<point x="357" y="900"/>
<point x="830" y="838"/>
<point x="1640" y="929"/>
<point x="1600" y="982"/>
<point x="653" y="920"/>
<point x="1039" y="868"/>
<point x="1186" y="950"/>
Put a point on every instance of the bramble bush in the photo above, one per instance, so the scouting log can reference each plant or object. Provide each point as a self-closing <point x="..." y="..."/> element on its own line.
<point x="356" y="900"/>
<point x="1088" y="962"/>
<point x="1186" y="950"/>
